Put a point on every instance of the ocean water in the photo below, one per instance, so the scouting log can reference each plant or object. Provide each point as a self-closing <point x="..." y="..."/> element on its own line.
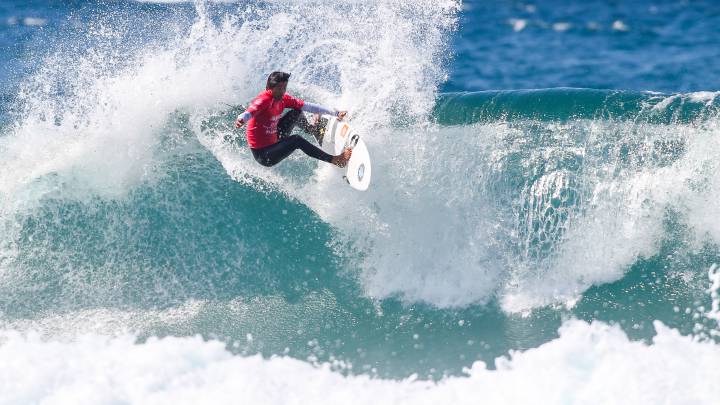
<point x="542" y="224"/>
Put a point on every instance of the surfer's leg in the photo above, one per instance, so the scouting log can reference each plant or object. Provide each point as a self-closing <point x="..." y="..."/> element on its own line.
<point x="294" y="118"/>
<point x="275" y="153"/>
<point x="312" y="150"/>
<point x="291" y="119"/>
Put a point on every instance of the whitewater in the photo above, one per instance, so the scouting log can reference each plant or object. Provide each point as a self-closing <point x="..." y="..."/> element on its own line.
<point x="555" y="244"/>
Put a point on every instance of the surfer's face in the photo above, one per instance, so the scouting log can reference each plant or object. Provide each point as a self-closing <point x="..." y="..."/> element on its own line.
<point x="279" y="90"/>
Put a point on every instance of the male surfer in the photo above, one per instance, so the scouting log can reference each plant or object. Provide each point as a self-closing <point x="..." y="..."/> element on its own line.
<point x="268" y="134"/>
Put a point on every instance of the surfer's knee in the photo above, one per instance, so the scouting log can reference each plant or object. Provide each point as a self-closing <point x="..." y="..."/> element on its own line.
<point x="295" y="139"/>
<point x="264" y="161"/>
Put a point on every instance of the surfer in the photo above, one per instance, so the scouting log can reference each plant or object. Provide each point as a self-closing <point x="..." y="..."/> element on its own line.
<point x="268" y="134"/>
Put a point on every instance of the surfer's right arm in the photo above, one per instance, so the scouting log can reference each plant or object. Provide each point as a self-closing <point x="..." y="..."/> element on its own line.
<point x="242" y="119"/>
<point x="257" y="105"/>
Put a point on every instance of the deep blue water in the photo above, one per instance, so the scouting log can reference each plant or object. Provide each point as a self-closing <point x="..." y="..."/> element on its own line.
<point x="665" y="46"/>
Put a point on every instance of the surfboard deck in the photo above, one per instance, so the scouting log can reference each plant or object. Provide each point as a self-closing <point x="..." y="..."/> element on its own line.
<point x="335" y="136"/>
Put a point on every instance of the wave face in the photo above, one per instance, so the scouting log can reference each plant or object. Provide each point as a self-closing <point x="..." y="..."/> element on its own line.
<point x="129" y="204"/>
<point x="590" y="182"/>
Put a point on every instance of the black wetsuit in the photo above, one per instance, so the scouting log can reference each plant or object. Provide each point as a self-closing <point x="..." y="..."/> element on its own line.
<point x="287" y="144"/>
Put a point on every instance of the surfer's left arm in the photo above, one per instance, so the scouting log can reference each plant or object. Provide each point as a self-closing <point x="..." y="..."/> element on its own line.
<point x="298" y="104"/>
<point x="318" y="109"/>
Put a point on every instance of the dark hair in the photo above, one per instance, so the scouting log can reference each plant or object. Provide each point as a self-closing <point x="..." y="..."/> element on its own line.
<point x="276" y="78"/>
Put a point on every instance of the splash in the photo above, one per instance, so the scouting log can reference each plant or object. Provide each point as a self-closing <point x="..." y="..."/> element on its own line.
<point x="502" y="204"/>
<point x="588" y="363"/>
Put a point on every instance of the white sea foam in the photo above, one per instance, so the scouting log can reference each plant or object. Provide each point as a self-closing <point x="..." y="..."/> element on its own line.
<point x="103" y="137"/>
<point x="599" y="244"/>
<point x="706" y="97"/>
<point x="518" y="24"/>
<point x="621" y="219"/>
<point x="589" y="364"/>
<point x="452" y="244"/>
<point x="265" y="315"/>
<point x="561" y="26"/>
<point x="619" y="25"/>
<point x="105" y="321"/>
<point x="34" y="21"/>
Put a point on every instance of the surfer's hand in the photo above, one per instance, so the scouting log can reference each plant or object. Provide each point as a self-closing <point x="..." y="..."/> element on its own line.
<point x="239" y="123"/>
<point x="341" y="115"/>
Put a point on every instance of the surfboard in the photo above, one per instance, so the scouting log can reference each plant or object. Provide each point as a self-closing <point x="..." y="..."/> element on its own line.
<point x="335" y="136"/>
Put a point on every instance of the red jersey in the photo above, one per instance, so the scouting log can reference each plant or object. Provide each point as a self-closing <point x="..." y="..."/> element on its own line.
<point x="265" y="111"/>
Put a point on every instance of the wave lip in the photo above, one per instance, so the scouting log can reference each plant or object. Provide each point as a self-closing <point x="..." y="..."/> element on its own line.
<point x="563" y="104"/>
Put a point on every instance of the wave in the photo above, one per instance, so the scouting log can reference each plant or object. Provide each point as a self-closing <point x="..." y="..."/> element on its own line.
<point x="111" y="175"/>
<point x="588" y="363"/>
<point x="588" y="180"/>
<point x="528" y="198"/>
<point x="563" y="104"/>
<point x="528" y="212"/>
<point x="129" y="203"/>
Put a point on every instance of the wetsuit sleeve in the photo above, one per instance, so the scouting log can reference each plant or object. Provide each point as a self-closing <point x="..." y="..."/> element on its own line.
<point x="318" y="109"/>
<point x="292" y="102"/>
<point x="245" y="116"/>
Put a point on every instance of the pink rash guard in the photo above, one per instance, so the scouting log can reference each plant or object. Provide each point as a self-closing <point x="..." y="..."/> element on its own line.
<point x="265" y="112"/>
<point x="263" y="116"/>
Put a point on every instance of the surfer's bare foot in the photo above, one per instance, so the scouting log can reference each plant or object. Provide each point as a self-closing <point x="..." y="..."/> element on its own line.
<point x="341" y="160"/>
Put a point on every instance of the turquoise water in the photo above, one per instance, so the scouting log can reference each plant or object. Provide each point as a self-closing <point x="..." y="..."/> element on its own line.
<point x="505" y="202"/>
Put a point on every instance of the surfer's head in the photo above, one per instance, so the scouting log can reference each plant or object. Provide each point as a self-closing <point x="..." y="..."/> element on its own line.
<point x="277" y="82"/>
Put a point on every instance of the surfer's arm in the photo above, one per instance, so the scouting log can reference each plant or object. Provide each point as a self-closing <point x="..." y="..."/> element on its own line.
<point x="318" y="109"/>
<point x="298" y="104"/>
<point x="257" y="105"/>
<point x="244" y="117"/>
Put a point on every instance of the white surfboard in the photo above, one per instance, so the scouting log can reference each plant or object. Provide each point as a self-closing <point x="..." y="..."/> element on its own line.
<point x="339" y="135"/>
